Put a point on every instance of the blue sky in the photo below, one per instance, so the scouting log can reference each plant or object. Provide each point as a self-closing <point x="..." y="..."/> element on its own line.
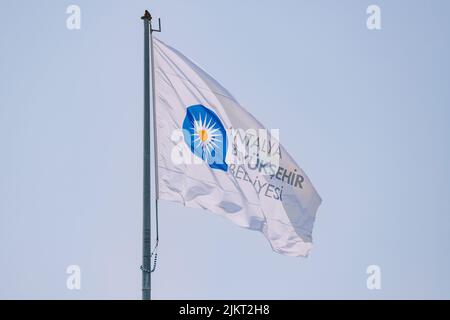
<point x="364" y="113"/>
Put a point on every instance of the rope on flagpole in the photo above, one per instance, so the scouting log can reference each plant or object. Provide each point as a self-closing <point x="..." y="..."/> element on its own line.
<point x="154" y="253"/>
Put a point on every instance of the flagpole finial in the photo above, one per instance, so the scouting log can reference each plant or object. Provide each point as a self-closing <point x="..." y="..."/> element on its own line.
<point x="146" y="16"/>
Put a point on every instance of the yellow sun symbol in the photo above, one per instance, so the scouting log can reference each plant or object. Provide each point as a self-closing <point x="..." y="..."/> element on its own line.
<point x="203" y="134"/>
<point x="206" y="134"/>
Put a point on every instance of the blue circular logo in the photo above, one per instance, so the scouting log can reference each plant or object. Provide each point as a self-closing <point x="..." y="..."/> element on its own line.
<point x="206" y="136"/>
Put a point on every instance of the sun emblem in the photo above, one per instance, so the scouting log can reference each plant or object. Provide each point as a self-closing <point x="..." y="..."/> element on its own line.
<point x="206" y="136"/>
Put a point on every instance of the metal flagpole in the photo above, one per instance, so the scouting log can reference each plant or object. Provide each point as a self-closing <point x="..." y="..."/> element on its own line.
<point x="147" y="254"/>
<point x="146" y="231"/>
<point x="155" y="144"/>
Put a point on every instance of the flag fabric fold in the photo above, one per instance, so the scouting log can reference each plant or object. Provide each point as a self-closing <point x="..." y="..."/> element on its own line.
<point x="203" y="134"/>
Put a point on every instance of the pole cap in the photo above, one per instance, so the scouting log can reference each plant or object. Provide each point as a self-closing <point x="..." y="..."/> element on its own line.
<point x="146" y="16"/>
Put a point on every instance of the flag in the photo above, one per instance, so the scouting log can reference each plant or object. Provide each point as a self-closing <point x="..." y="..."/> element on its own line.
<point x="213" y="154"/>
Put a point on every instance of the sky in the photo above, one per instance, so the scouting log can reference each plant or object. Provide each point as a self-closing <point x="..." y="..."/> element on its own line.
<point x="364" y="112"/>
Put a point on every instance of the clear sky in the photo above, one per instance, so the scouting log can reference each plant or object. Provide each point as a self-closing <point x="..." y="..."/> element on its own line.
<point x="365" y="113"/>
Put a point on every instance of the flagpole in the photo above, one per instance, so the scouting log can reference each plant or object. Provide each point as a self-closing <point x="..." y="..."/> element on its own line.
<point x="146" y="231"/>
<point x="155" y="144"/>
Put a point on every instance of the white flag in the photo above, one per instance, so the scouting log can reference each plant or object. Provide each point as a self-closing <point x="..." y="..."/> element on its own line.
<point x="212" y="154"/>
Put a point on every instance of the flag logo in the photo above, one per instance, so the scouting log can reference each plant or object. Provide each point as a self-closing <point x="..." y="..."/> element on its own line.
<point x="206" y="136"/>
